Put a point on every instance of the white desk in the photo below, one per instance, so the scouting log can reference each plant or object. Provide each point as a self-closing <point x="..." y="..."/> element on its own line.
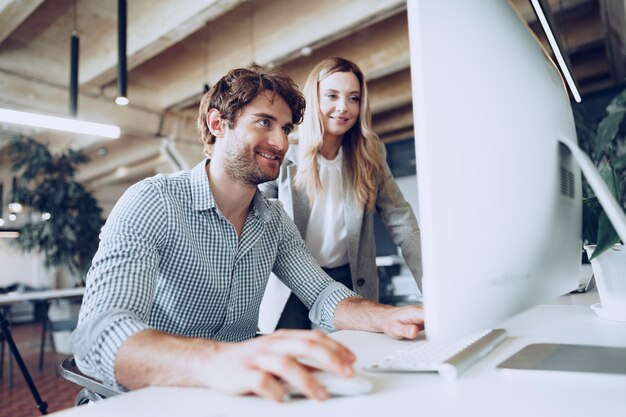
<point x="16" y="297"/>
<point x="44" y="296"/>
<point x="480" y="391"/>
<point x="6" y="300"/>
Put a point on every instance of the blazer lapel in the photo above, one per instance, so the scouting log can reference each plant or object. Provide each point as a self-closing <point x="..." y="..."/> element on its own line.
<point x="353" y="213"/>
<point x="300" y="203"/>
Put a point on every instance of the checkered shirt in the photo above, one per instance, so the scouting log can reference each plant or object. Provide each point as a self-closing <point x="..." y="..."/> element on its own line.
<point x="169" y="260"/>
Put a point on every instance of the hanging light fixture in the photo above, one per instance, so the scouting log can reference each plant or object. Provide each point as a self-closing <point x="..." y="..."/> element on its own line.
<point x="251" y="32"/>
<point x="122" y="73"/>
<point x="1" y="204"/>
<point x="554" y="44"/>
<point x="74" y="48"/>
<point x="205" y="56"/>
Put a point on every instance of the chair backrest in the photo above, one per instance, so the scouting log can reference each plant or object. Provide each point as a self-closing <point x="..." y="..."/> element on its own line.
<point x="93" y="390"/>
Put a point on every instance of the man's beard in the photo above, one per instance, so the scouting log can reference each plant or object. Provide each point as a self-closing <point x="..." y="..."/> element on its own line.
<point x="241" y="165"/>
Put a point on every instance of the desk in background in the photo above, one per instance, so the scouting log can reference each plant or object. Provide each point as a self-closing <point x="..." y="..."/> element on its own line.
<point x="43" y="296"/>
<point x="482" y="390"/>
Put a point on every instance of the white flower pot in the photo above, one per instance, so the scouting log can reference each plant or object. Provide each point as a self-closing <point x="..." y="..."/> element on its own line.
<point x="609" y="270"/>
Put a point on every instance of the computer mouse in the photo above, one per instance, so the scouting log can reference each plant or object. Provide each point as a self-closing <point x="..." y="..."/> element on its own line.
<point x="339" y="386"/>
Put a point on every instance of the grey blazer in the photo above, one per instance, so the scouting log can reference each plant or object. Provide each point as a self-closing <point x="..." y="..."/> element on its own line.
<point x="395" y="213"/>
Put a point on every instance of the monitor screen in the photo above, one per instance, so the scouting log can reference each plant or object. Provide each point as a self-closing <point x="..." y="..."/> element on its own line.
<point x="499" y="198"/>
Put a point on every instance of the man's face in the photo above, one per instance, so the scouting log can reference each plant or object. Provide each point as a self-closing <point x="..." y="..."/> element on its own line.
<point x="256" y="145"/>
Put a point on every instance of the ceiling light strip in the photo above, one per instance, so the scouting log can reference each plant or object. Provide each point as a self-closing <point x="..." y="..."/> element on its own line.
<point x="59" y="123"/>
<point x="555" y="48"/>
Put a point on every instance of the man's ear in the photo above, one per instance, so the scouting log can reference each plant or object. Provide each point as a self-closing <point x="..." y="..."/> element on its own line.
<point x="215" y="123"/>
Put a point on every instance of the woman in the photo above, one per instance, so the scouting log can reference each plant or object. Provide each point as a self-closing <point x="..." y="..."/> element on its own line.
<point x="331" y="184"/>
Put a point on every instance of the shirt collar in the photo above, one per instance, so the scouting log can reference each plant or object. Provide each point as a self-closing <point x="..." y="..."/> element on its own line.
<point x="202" y="196"/>
<point x="261" y="207"/>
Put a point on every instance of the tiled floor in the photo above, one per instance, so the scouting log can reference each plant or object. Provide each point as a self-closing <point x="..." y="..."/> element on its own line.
<point x="56" y="391"/>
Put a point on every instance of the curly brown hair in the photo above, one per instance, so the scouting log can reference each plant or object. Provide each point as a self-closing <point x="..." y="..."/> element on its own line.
<point x="238" y="88"/>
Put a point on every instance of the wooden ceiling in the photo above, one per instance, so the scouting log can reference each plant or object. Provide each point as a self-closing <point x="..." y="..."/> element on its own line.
<point x="175" y="47"/>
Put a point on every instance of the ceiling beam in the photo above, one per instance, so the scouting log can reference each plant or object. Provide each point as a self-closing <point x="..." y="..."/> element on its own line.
<point x="379" y="50"/>
<point x="13" y="13"/>
<point x="282" y="33"/>
<point x="125" y="174"/>
<point x="525" y="9"/>
<point x="581" y="32"/>
<point x="123" y="154"/>
<point x="390" y="92"/>
<point x="40" y="46"/>
<point x="154" y="25"/>
<point x="592" y="65"/>
<point x="614" y="15"/>
<point x="392" y="122"/>
<point x="23" y="93"/>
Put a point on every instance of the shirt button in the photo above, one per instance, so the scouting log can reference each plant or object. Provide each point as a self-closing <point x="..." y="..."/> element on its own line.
<point x="360" y="282"/>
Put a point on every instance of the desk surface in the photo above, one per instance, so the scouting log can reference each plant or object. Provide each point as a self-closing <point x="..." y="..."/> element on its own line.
<point x="16" y="297"/>
<point x="482" y="390"/>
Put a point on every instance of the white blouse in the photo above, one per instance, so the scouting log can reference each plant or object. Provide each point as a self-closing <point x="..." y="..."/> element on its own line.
<point x="326" y="234"/>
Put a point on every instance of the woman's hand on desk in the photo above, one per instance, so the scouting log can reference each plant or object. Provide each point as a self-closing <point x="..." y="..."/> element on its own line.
<point x="403" y="322"/>
<point x="257" y="365"/>
<point x="396" y="322"/>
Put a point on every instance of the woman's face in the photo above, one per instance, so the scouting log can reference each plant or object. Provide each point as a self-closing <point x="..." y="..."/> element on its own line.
<point x="340" y="103"/>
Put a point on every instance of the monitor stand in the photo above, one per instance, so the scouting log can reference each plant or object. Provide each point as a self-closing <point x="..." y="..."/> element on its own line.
<point x="578" y="358"/>
<point x="569" y="358"/>
<point x="612" y="208"/>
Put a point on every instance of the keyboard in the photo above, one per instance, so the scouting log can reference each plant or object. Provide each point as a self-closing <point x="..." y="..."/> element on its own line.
<point x="447" y="358"/>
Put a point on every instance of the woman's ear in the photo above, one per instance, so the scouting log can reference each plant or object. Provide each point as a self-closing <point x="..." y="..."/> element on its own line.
<point x="215" y="123"/>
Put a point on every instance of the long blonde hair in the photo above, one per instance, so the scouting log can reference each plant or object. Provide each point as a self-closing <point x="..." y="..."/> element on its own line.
<point x="361" y="145"/>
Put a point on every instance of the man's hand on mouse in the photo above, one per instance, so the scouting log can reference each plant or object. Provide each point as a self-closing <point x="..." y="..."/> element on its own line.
<point x="258" y="365"/>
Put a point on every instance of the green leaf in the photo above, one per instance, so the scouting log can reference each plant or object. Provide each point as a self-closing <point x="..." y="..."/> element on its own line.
<point x="591" y="213"/>
<point x="607" y="172"/>
<point x="618" y="103"/>
<point x="619" y="162"/>
<point x="607" y="129"/>
<point x="607" y="236"/>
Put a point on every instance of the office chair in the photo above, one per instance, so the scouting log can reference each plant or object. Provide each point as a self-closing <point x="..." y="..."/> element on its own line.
<point x="57" y="325"/>
<point x="92" y="391"/>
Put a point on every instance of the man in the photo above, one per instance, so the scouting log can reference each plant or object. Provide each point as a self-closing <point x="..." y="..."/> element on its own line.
<point x="174" y="290"/>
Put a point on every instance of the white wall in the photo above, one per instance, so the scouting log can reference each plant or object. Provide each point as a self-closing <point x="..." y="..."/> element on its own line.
<point x="24" y="268"/>
<point x="408" y="186"/>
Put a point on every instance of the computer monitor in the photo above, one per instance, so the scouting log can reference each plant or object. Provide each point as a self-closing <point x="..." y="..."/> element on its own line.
<point x="499" y="197"/>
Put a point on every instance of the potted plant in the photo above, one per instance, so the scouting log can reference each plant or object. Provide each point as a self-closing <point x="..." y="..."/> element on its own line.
<point x="598" y="232"/>
<point x="606" y="253"/>
<point x="64" y="219"/>
<point x="68" y="219"/>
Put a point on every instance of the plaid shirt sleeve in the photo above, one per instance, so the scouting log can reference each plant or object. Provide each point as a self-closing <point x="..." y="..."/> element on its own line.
<point x="121" y="281"/>
<point x="296" y="267"/>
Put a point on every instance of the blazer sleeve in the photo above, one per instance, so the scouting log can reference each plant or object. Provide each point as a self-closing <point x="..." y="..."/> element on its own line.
<point x="399" y="220"/>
